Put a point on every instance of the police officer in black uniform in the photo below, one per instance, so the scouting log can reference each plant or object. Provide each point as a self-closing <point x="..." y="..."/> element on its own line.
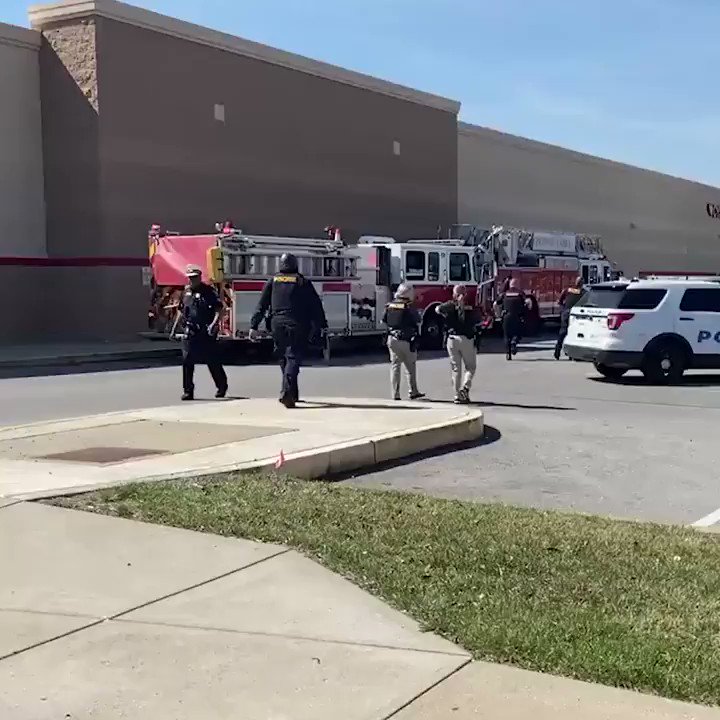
<point x="568" y="299"/>
<point x="201" y="308"/>
<point x="513" y="303"/>
<point x="296" y="311"/>
<point x="403" y="324"/>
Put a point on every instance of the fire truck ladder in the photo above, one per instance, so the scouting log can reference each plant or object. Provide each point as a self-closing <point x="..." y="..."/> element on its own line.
<point x="590" y="247"/>
<point x="240" y="243"/>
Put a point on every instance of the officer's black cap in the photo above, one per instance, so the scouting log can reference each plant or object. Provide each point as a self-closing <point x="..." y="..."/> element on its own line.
<point x="288" y="263"/>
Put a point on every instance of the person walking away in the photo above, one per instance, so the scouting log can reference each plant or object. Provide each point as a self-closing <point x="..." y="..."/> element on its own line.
<point x="460" y="323"/>
<point x="201" y="309"/>
<point x="295" y="312"/>
<point x="513" y="304"/>
<point x="568" y="299"/>
<point x="403" y="323"/>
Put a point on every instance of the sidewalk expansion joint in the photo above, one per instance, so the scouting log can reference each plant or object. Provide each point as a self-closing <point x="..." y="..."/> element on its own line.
<point x="285" y="636"/>
<point x="428" y="689"/>
<point x="200" y="584"/>
<point x="74" y="631"/>
<point x="102" y="620"/>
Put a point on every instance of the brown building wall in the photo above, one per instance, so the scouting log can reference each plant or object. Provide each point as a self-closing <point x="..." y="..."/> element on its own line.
<point x="130" y="137"/>
<point x="295" y="153"/>
<point x="62" y="304"/>
<point x="648" y="221"/>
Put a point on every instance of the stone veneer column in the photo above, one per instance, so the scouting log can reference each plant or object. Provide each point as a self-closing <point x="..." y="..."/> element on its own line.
<point x="70" y="107"/>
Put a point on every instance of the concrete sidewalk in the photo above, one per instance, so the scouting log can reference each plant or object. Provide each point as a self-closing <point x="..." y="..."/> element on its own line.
<point x="109" y="618"/>
<point x="317" y="438"/>
<point x="80" y="353"/>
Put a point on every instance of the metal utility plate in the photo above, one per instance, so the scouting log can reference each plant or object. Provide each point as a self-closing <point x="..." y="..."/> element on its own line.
<point x="132" y="440"/>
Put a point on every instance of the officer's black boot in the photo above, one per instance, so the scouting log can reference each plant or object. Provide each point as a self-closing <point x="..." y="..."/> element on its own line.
<point x="188" y="371"/>
<point x="288" y="401"/>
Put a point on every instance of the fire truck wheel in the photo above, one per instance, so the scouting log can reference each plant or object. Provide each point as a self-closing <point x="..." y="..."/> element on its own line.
<point x="432" y="334"/>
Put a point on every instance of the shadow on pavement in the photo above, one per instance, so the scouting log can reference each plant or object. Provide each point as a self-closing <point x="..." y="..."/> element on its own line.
<point x="519" y="406"/>
<point x="709" y="380"/>
<point x="492" y="435"/>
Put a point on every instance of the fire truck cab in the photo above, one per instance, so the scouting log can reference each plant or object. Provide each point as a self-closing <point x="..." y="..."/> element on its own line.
<point x="432" y="267"/>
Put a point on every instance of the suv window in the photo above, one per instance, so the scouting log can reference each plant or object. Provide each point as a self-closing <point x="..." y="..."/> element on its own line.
<point x="701" y="300"/>
<point x="459" y="267"/>
<point x="642" y="299"/>
<point x="602" y="297"/>
<point x="415" y="265"/>
<point x="620" y="297"/>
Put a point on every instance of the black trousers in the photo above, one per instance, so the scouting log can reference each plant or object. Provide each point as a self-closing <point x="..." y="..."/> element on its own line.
<point x="512" y="329"/>
<point x="291" y="342"/>
<point x="564" y="322"/>
<point x="202" y="350"/>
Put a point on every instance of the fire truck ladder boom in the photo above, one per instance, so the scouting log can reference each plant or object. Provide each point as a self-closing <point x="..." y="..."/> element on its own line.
<point x="241" y="243"/>
<point x="435" y="241"/>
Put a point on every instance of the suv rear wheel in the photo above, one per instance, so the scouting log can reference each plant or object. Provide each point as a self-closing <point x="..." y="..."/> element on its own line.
<point x="664" y="363"/>
<point x="611" y="373"/>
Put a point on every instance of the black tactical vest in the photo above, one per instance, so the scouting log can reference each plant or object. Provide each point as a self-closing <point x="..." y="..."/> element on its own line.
<point x="400" y="320"/>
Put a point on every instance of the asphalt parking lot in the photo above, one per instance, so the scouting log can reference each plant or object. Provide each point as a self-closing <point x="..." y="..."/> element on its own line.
<point x="558" y="436"/>
<point x="561" y="437"/>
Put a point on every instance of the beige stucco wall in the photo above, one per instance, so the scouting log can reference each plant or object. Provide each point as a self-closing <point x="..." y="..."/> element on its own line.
<point x="649" y="221"/>
<point x="22" y="206"/>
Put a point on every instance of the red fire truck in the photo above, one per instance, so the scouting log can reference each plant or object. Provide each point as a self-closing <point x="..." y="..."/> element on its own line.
<point x="238" y="265"/>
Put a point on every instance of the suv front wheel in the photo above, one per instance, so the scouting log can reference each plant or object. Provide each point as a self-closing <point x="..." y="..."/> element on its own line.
<point x="664" y="363"/>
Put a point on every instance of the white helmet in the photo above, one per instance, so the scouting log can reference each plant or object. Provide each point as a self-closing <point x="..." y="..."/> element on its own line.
<point x="405" y="292"/>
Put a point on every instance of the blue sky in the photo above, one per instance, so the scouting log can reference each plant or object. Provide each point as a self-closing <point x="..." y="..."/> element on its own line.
<point x="631" y="80"/>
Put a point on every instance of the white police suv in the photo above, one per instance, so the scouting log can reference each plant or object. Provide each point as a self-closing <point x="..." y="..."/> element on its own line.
<point x="661" y="327"/>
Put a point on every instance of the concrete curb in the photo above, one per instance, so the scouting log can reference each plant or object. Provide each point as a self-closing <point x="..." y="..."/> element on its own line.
<point x="361" y="454"/>
<point x="90" y="358"/>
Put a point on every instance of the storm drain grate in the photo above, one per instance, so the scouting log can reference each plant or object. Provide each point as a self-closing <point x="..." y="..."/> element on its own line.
<point x="102" y="455"/>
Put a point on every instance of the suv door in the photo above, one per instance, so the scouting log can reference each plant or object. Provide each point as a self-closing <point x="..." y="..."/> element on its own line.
<point x="698" y="321"/>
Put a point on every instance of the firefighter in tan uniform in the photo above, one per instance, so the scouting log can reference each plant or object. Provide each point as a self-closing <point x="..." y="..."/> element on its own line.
<point x="403" y="323"/>
<point x="460" y="323"/>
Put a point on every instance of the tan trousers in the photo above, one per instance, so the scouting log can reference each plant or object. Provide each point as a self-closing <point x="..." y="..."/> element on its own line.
<point x="462" y="352"/>
<point x="401" y="355"/>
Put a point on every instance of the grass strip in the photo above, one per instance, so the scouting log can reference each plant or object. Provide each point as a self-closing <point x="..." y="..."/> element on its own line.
<point x="625" y="604"/>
